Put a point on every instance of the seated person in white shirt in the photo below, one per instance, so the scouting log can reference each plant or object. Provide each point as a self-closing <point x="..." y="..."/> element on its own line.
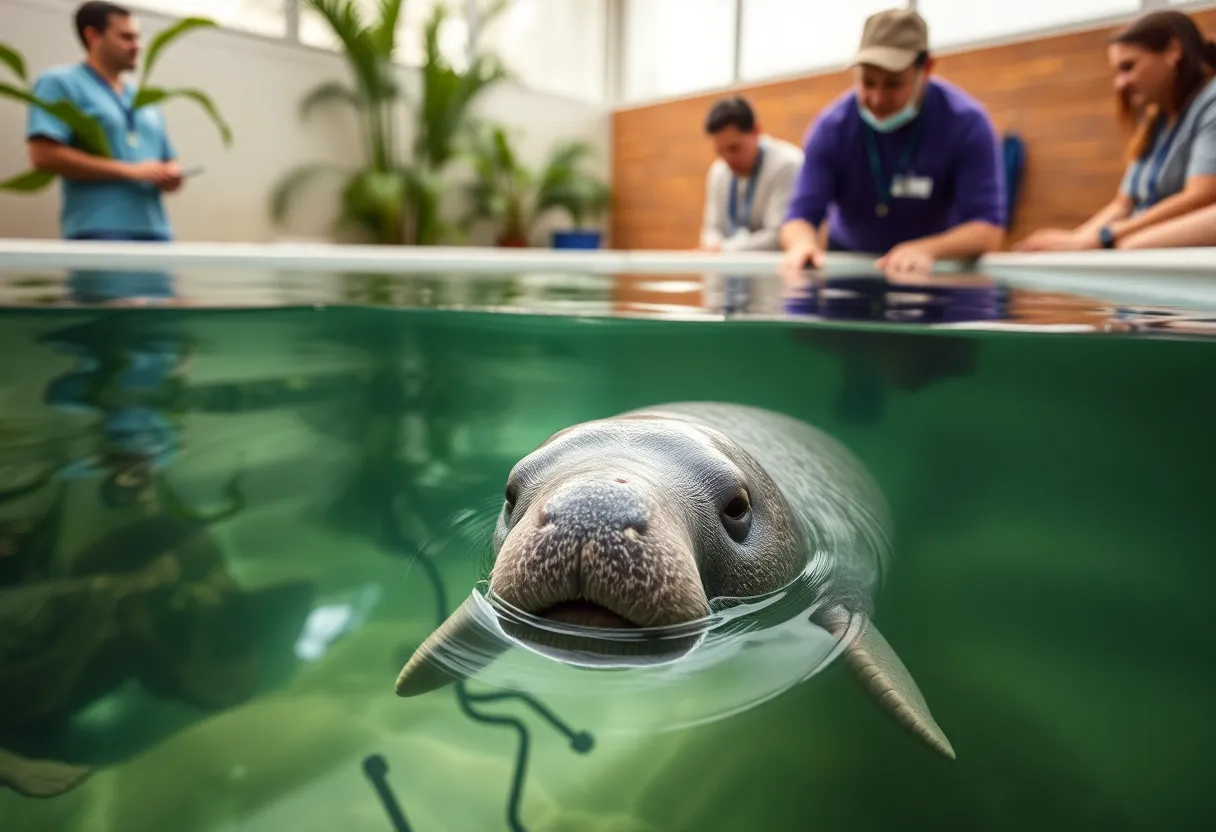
<point x="749" y="184"/>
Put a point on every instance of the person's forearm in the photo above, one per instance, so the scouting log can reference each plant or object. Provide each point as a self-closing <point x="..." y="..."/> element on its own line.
<point x="970" y="239"/>
<point x="1116" y="209"/>
<point x="71" y="163"/>
<point x="797" y="232"/>
<point x="1196" y="229"/>
<point x="1169" y="208"/>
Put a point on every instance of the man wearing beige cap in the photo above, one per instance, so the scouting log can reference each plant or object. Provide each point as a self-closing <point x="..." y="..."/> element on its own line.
<point x="904" y="165"/>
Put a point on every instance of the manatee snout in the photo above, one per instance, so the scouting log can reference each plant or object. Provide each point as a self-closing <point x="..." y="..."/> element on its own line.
<point x="600" y="550"/>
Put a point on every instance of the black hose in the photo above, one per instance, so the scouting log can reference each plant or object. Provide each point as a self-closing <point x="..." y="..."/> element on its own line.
<point x="375" y="767"/>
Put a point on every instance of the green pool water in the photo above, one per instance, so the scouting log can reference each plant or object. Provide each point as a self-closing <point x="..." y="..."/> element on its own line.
<point x="1051" y="496"/>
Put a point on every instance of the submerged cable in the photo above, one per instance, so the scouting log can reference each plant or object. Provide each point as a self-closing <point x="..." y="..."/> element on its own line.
<point x="375" y="766"/>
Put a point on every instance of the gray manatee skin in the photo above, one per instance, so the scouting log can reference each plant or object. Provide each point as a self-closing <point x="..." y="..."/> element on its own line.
<point x="840" y="520"/>
<point x="842" y="513"/>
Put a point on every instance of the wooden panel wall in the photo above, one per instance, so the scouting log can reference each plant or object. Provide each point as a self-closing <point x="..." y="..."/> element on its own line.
<point x="1074" y="146"/>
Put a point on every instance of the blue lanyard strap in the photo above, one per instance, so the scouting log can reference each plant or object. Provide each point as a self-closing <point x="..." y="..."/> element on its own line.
<point x="1158" y="160"/>
<point x="733" y="221"/>
<point x="127" y="111"/>
<point x="883" y="183"/>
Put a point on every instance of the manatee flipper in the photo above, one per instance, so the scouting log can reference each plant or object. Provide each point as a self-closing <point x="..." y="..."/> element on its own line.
<point x="880" y="671"/>
<point x="40" y="778"/>
<point x="462" y="641"/>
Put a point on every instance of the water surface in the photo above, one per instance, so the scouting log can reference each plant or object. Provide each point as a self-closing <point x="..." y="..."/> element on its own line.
<point x="1045" y="456"/>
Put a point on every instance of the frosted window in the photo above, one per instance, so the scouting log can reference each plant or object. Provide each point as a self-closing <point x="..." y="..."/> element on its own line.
<point x="557" y="46"/>
<point x="265" y="17"/>
<point x="783" y="37"/>
<point x="675" y="47"/>
<point x="956" y="22"/>
<point x="453" y="35"/>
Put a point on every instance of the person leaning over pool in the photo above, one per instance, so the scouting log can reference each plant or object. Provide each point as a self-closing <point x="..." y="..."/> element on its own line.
<point x="903" y="165"/>
<point x="1164" y="69"/>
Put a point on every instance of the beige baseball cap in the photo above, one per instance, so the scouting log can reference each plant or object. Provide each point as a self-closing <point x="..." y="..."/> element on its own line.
<point x="892" y="39"/>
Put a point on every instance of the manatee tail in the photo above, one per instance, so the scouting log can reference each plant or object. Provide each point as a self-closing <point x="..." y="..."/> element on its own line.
<point x="879" y="670"/>
<point x="458" y="649"/>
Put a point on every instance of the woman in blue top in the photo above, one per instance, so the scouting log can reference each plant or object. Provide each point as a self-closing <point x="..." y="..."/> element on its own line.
<point x="1164" y="69"/>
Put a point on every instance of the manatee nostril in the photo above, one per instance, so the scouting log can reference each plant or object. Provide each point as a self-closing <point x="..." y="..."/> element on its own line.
<point x="590" y="507"/>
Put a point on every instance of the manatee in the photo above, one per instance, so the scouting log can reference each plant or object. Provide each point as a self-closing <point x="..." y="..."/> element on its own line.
<point x="641" y="521"/>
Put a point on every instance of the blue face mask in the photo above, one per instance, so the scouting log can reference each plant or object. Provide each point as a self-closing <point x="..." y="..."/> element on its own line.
<point x="898" y="119"/>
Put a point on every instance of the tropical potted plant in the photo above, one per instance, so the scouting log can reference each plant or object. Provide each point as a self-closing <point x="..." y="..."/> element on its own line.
<point x="89" y="133"/>
<point x="516" y="197"/>
<point x="393" y="196"/>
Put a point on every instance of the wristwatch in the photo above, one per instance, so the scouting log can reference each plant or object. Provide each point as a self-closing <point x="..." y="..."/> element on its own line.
<point x="1106" y="236"/>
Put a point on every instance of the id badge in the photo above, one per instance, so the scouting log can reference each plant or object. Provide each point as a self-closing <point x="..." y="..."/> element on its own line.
<point x="915" y="187"/>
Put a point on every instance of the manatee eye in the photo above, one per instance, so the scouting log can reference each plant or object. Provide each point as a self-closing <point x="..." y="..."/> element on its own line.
<point x="510" y="494"/>
<point x="737" y="516"/>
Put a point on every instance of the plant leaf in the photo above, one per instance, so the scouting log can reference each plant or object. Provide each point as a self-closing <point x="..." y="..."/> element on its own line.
<point x="373" y="74"/>
<point x="294" y="182"/>
<point x="29" y="182"/>
<point x="11" y="58"/>
<point x="89" y="134"/>
<point x="326" y="92"/>
<point x="384" y="35"/>
<point x="154" y="95"/>
<point x="168" y="35"/>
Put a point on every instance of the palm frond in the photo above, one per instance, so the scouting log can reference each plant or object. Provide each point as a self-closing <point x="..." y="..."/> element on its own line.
<point x="168" y="35"/>
<point x="13" y="59"/>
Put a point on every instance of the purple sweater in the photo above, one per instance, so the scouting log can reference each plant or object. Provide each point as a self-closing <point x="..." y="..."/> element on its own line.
<point x="957" y="147"/>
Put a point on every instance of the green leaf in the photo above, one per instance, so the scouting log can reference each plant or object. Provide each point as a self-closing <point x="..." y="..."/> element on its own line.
<point x="326" y="92"/>
<point x="384" y="35"/>
<point x="373" y="73"/>
<point x="168" y="35"/>
<point x="29" y="182"/>
<point x="375" y="200"/>
<point x="89" y="134"/>
<point x="154" y="95"/>
<point x="11" y="58"/>
<point x="295" y="181"/>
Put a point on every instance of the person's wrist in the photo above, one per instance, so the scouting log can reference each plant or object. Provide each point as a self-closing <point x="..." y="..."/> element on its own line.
<point x="126" y="170"/>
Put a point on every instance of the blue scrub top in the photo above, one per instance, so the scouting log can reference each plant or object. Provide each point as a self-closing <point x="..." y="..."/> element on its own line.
<point x="114" y="209"/>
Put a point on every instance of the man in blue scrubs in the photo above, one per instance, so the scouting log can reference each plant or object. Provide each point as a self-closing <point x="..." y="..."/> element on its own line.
<point x="105" y="199"/>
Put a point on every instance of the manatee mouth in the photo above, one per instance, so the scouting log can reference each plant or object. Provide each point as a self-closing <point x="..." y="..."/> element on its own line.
<point x="584" y="613"/>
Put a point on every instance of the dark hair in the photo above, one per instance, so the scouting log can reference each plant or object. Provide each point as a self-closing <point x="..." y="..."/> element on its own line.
<point x="96" y="15"/>
<point x="730" y="112"/>
<point x="1154" y="32"/>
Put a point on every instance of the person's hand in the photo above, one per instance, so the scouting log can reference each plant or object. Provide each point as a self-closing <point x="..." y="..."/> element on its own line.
<point x="906" y="259"/>
<point x="711" y="245"/>
<point x="164" y="175"/>
<point x="802" y="255"/>
<point x="1057" y="239"/>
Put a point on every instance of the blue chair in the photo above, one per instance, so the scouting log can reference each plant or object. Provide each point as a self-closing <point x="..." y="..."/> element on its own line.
<point x="1013" y="148"/>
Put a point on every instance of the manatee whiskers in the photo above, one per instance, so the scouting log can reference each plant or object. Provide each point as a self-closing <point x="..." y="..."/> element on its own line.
<point x="600" y="549"/>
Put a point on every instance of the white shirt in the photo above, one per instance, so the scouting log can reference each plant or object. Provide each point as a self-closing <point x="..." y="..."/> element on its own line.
<point x="774" y="185"/>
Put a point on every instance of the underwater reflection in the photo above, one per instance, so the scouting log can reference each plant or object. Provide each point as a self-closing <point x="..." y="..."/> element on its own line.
<point x="700" y="557"/>
<point x="115" y="596"/>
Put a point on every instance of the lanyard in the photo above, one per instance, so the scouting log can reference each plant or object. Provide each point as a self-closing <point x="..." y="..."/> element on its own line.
<point x="128" y="112"/>
<point x="881" y="183"/>
<point x="733" y="223"/>
<point x="1154" y="175"/>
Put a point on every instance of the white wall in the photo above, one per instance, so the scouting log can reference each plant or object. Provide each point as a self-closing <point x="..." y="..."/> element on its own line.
<point x="257" y="84"/>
